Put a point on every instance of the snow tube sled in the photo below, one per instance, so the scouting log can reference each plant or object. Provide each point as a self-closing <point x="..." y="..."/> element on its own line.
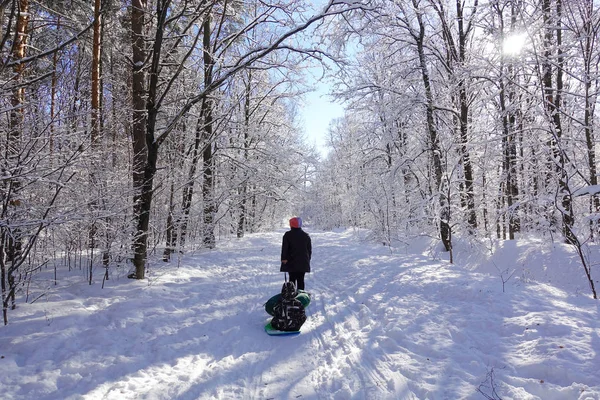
<point x="274" y="332"/>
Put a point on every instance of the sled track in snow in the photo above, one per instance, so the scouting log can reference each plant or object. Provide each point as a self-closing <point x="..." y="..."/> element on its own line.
<point x="340" y="327"/>
<point x="254" y="380"/>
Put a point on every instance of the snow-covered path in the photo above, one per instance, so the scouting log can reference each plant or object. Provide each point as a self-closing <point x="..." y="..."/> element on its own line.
<point x="381" y="326"/>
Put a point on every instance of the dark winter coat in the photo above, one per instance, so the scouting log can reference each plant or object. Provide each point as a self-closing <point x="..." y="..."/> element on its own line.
<point x="297" y="250"/>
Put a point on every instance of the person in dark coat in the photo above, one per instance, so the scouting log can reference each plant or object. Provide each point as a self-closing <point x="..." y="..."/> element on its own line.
<point x="296" y="252"/>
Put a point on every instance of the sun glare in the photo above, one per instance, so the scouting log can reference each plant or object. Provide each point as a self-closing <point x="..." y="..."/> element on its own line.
<point x="513" y="44"/>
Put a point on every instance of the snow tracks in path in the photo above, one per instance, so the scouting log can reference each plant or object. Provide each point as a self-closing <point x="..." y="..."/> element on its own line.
<point x="381" y="325"/>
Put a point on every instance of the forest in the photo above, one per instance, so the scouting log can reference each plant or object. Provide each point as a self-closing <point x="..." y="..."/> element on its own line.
<point x="136" y="130"/>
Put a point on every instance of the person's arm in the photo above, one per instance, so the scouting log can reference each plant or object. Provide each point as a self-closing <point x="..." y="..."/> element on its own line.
<point x="309" y="249"/>
<point x="285" y="246"/>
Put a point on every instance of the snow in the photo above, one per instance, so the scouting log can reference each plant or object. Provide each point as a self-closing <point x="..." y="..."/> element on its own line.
<point x="591" y="190"/>
<point x="401" y="324"/>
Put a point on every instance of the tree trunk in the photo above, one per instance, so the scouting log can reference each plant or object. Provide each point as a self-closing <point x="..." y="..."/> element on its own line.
<point x="456" y="61"/>
<point x="463" y="34"/>
<point x="96" y="88"/>
<point x="243" y="189"/>
<point x="208" y="236"/>
<point x="590" y="32"/>
<point x="147" y="170"/>
<point x="507" y="103"/>
<point x="434" y="149"/>
<point x="96" y="103"/>
<point x="53" y="84"/>
<point x="553" y="103"/>
<point x="202" y="146"/>
<point x="171" y="236"/>
<point x="509" y="158"/>
<point x="188" y="189"/>
<point x="12" y="236"/>
<point x="140" y="152"/>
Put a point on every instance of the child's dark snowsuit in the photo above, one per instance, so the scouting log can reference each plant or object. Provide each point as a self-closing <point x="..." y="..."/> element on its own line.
<point x="289" y="312"/>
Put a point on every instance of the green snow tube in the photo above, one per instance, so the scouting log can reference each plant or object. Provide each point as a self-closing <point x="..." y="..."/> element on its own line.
<point x="302" y="296"/>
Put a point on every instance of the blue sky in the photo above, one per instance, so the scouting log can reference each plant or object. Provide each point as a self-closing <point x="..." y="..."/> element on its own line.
<point x="317" y="111"/>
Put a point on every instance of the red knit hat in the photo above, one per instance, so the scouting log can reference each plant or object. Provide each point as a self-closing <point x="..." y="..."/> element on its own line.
<point x="295" y="222"/>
